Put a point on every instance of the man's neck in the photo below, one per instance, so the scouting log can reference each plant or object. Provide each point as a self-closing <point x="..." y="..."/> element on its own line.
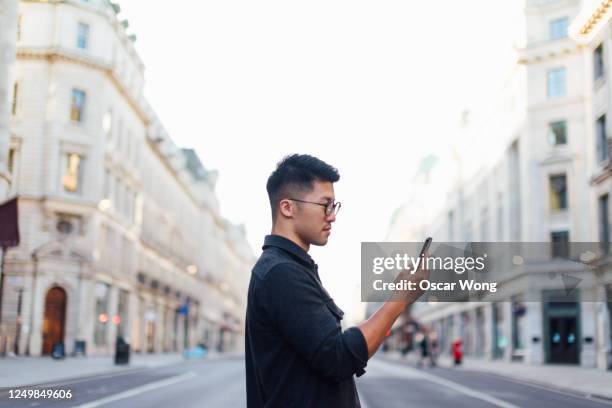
<point x="291" y="237"/>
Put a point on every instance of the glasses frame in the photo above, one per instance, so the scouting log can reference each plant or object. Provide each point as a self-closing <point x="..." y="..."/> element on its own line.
<point x="331" y="207"/>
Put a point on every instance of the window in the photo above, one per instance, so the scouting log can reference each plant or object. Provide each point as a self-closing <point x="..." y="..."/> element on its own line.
<point x="15" y="97"/>
<point x="11" y="160"/>
<point x="560" y="244"/>
<point x="19" y="20"/>
<point x="598" y="62"/>
<point x="484" y="224"/>
<point x="500" y="218"/>
<point x="135" y="211"/>
<point x="558" y="192"/>
<point x="602" y="139"/>
<point x="77" y="107"/>
<point x="127" y="201"/>
<point x="119" y="134"/>
<point x="67" y="224"/>
<point x="128" y="145"/>
<point x="82" y="36"/>
<point x="558" y="28"/>
<point x="72" y="173"/>
<point x="467" y="231"/>
<point x="118" y="201"/>
<point x="101" y="316"/>
<point x="555" y="82"/>
<point x="604" y="223"/>
<point x="609" y="302"/>
<point x="106" y="186"/>
<point x="107" y="123"/>
<point x="557" y="133"/>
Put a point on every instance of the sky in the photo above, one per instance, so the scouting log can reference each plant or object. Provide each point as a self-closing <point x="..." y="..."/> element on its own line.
<point x="369" y="87"/>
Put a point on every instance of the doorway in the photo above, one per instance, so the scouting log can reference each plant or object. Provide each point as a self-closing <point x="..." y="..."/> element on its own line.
<point x="561" y="327"/>
<point x="563" y="340"/>
<point x="54" y="318"/>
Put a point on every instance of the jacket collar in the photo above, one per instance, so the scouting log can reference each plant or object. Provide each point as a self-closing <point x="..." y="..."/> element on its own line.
<point x="288" y="246"/>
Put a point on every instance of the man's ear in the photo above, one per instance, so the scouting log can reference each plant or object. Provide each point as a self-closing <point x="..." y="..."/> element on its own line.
<point x="286" y="208"/>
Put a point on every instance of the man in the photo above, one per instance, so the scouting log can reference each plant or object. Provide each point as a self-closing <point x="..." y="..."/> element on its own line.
<point x="296" y="352"/>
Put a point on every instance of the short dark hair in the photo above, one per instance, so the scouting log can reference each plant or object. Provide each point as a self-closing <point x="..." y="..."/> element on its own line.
<point x="296" y="173"/>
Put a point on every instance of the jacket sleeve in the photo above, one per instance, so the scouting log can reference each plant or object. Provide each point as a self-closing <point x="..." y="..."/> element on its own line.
<point x="309" y="322"/>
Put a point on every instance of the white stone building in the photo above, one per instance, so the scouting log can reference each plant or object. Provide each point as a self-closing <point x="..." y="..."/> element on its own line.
<point x="121" y="233"/>
<point x="534" y="166"/>
<point x="8" y="26"/>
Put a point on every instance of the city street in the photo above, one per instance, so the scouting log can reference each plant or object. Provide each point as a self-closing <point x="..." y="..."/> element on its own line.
<point x="220" y="383"/>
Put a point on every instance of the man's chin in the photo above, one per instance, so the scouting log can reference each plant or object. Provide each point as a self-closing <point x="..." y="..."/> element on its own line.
<point x="321" y="242"/>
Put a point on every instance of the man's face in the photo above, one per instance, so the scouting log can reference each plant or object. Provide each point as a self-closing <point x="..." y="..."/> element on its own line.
<point x="310" y="222"/>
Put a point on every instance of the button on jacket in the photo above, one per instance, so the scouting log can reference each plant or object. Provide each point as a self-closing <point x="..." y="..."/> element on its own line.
<point x="296" y="352"/>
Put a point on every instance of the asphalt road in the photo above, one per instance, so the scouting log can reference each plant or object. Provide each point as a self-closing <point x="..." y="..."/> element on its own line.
<point x="220" y="383"/>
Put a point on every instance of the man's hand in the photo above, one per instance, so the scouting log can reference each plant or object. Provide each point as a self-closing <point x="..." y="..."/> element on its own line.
<point x="375" y="328"/>
<point x="417" y="277"/>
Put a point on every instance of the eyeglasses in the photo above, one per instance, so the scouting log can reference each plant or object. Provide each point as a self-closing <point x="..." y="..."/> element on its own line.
<point x="331" y="207"/>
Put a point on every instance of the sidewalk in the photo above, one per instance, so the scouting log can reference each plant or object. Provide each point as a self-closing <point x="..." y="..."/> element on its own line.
<point x="19" y="371"/>
<point x="581" y="380"/>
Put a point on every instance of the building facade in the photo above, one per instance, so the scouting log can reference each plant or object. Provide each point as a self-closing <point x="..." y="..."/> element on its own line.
<point x="534" y="166"/>
<point x="8" y="26"/>
<point x="121" y="233"/>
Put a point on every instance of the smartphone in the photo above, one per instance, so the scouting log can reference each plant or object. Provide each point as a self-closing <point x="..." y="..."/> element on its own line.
<point x="426" y="246"/>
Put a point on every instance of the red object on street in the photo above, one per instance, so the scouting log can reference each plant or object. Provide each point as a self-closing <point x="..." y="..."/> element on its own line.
<point x="388" y="333"/>
<point x="457" y="352"/>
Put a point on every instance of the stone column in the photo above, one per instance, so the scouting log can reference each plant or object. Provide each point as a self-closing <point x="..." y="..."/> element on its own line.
<point x="38" y="315"/>
<point x="133" y="329"/>
<point x="603" y="341"/>
<point x="507" y="330"/>
<point x="160" y="326"/>
<point x="8" y="38"/>
<point x="473" y="332"/>
<point x="26" y="314"/>
<point x="534" y="347"/>
<point x="87" y="313"/>
<point x="149" y="318"/>
<point x="457" y="326"/>
<point x="489" y="347"/>
<point x="587" y="319"/>
<point x="111" y="333"/>
<point x="180" y="333"/>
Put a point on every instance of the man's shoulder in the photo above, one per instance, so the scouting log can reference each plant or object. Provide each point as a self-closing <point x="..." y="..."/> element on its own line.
<point x="272" y="261"/>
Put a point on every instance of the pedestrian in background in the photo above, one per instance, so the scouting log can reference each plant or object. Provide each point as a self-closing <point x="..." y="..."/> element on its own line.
<point x="423" y="348"/>
<point x="433" y="348"/>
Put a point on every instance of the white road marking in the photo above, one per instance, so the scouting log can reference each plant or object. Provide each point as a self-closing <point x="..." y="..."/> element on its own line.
<point x="409" y="371"/>
<point x="574" y="394"/>
<point x="76" y="380"/>
<point x="139" y="390"/>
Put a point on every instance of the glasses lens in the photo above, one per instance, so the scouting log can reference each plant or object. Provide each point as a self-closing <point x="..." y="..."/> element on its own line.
<point x="329" y="208"/>
<point x="332" y="207"/>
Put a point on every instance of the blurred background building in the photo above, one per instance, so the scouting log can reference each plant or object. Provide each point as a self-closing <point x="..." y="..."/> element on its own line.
<point x="8" y="27"/>
<point x="121" y="232"/>
<point x="532" y="165"/>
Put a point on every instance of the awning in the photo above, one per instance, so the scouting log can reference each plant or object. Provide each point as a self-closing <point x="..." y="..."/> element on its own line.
<point x="9" y="226"/>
